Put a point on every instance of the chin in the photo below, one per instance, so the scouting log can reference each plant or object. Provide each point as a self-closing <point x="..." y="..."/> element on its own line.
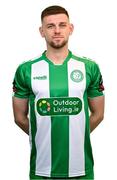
<point x="59" y="45"/>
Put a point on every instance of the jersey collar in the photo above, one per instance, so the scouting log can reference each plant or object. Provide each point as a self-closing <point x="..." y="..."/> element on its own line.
<point x="50" y="62"/>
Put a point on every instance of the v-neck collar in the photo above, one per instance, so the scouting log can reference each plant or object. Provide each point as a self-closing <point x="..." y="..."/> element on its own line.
<point x="50" y="62"/>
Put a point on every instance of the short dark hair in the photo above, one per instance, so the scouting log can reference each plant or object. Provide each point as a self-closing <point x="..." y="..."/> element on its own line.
<point x="51" y="10"/>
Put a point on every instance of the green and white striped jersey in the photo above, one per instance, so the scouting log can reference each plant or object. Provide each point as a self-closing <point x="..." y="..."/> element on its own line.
<point x="59" y="117"/>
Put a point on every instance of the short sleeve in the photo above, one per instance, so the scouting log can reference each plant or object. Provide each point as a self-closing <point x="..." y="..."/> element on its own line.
<point x="96" y="87"/>
<point x="20" y="88"/>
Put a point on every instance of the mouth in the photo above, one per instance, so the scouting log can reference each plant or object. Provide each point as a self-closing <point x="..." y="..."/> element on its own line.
<point x="58" y="37"/>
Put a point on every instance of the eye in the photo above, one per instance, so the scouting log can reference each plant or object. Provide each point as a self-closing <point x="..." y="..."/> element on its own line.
<point x="62" y="25"/>
<point x="50" y="26"/>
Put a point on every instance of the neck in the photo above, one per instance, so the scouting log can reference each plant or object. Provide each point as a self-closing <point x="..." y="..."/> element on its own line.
<point x="57" y="56"/>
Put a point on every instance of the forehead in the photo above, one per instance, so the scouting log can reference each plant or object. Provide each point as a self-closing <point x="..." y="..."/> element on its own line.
<point x="56" y="18"/>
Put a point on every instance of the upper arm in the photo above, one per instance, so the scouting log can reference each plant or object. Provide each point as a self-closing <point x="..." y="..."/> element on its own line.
<point x="96" y="105"/>
<point x="20" y="107"/>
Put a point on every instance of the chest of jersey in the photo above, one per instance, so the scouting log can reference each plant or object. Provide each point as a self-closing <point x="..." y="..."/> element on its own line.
<point x="67" y="80"/>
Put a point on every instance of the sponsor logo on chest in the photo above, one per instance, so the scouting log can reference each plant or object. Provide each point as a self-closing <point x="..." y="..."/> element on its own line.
<point x="59" y="106"/>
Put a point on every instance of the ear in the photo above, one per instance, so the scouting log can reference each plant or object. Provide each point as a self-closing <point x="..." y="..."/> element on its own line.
<point x="41" y="31"/>
<point x="71" y="28"/>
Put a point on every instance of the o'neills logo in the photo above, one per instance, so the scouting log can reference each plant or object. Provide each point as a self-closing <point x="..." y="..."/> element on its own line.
<point x="59" y="106"/>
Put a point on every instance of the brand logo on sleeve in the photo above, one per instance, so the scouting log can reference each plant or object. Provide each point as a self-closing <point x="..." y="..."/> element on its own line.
<point x="77" y="76"/>
<point x="14" y="87"/>
<point x="59" y="106"/>
<point x="101" y="86"/>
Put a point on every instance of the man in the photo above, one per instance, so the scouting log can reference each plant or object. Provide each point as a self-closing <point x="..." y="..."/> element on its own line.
<point x="57" y="89"/>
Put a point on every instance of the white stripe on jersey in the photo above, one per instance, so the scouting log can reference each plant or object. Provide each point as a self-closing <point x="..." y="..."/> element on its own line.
<point x="43" y="134"/>
<point x="76" y="123"/>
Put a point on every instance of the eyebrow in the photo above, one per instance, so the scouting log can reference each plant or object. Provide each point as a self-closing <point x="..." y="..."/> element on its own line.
<point x="54" y="24"/>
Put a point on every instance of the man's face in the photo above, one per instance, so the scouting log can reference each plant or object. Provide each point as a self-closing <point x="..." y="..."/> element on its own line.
<point x="56" y="30"/>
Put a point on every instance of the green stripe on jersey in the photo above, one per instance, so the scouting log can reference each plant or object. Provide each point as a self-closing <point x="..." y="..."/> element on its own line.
<point x="87" y="145"/>
<point x="33" y="129"/>
<point x="59" y="125"/>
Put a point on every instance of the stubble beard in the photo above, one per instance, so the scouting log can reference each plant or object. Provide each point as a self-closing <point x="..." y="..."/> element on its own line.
<point x="57" y="45"/>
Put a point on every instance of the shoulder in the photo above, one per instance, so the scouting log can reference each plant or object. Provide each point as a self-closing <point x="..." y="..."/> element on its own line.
<point x="27" y="64"/>
<point x="90" y="64"/>
<point x="85" y="60"/>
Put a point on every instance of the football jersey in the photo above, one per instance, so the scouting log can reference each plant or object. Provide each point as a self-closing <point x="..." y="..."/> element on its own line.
<point x="58" y="113"/>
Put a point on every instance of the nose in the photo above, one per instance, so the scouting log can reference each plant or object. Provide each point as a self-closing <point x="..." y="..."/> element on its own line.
<point x="57" y="30"/>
